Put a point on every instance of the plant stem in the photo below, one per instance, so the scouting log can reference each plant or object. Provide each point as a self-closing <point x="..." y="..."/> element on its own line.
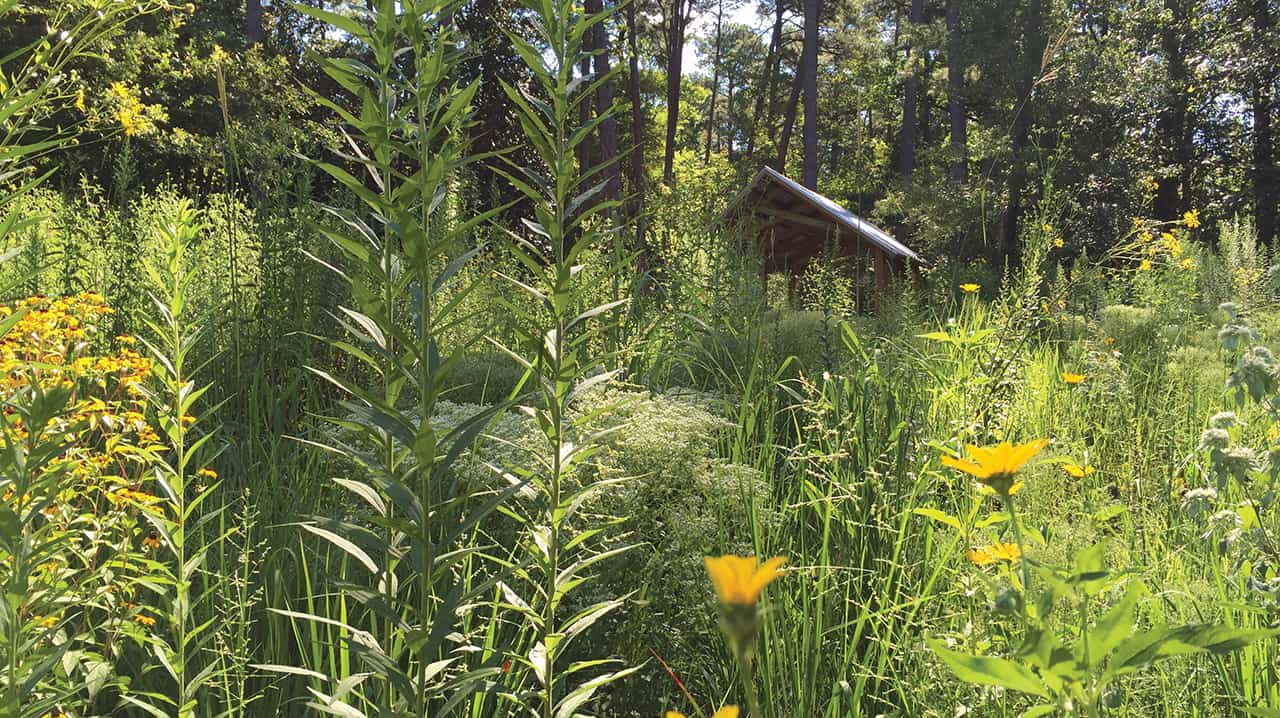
<point x="1017" y="536"/>
<point x="748" y="681"/>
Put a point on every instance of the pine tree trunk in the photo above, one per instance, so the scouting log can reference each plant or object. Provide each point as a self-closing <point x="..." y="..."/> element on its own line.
<point x="766" y="100"/>
<point x="253" y="21"/>
<point x="584" y="112"/>
<point x="728" y="118"/>
<point x="715" y="82"/>
<point x="955" y="96"/>
<point x="637" y="127"/>
<point x="1172" y="125"/>
<point x="789" y="119"/>
<point x="809" y="63"/>
<point x="1265" y="194"/>
<point x="910" y="96"/>
<point x="604" y="108"/>
<point x="675" y="59"/>
<point x="1266" y="180"/>
<point x="1032" y="54"/>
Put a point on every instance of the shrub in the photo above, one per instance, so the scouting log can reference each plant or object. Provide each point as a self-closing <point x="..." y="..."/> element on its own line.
<point x="676" y="500"/>
<point x="483" y="378"/>
<point x="813" y="338"/>
<point x="76" y="469"/>
<point x="1131" y="328"/>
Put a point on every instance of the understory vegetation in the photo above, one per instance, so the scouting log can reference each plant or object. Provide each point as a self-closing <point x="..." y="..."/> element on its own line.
<point x="376" y="447"/>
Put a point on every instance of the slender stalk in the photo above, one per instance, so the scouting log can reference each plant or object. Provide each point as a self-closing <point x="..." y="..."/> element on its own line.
<point x="426" y="390"/>
<point x="747" y="673"/>
<point x="1017" y="536"/>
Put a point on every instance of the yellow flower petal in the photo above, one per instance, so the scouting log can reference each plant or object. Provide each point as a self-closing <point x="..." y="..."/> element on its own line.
<point x="741" y="579"/>
<point x="968" y="467"/>
<point x="980" y="556"/>
<point x="996" y="465"/>
<point x="987" y="555"/>
<point x="727" y="712"/>
<point x="1078" y="471"/>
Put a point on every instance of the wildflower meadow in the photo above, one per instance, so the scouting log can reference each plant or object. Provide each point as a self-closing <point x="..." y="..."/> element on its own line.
<point x="426" y="358"/>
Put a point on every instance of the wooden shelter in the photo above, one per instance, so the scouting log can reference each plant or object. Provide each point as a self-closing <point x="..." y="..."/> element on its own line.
<point x="794" y="224"/>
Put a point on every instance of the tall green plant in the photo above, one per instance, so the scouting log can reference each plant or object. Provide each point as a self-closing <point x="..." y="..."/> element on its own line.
<point x="185" y="594"/>
<point x="409" y="579"/>
<point x="556" y="340"/>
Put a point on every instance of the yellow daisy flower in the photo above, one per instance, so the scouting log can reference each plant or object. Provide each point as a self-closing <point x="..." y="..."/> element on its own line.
<point x="726" y="712"/>
<point x="987" y="555"/>
<point x="1078" y="471"/>
<point x="740" y="579"/>
<point x="997" y="465"/>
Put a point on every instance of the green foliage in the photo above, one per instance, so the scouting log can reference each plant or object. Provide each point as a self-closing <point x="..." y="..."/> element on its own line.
<point x="555" y="344"/>
<point x="1077" y="677"/>
<point x="184" y="595"/>
<point x="402" y="646"/>
<point x="1131" y="328"/>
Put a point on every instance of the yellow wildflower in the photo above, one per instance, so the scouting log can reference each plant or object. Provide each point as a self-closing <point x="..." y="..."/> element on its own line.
<point x="986" y="555"/>
<point x="1007" y="552"/>
<point x="207" y="473"/>
<point x="1058" y="242"/>
<point x="988" y="491"/>
<point x="143" y="619"/>
<point x="128" y="121"/>
<point x="80" y="105"/>
<point x="45" y="621"/>
<point x="980" y="556"/>
<point x="996" y="466"/>
<point x="1191" y="219"/>
<point x="1145" y="266"/>
<point x="1077" y="471"/>
<point x="740" y="579"/>
<point x="726" y="712"/>
<point x="970" y="288"/>
<point x="1073" y="379"/>
<point x="151" y="542"/>
<point x="218" y="56"/>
